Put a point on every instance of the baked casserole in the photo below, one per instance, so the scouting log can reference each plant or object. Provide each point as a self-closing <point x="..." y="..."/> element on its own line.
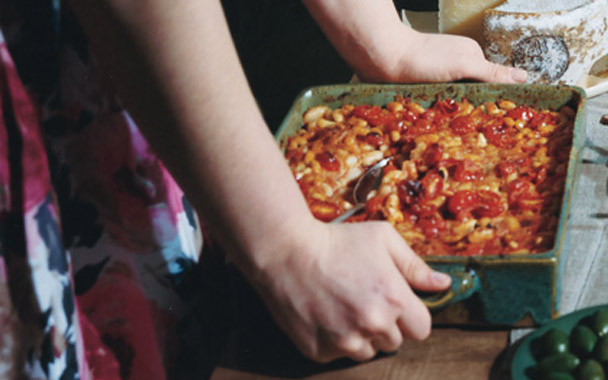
<point x="464" y="180"/>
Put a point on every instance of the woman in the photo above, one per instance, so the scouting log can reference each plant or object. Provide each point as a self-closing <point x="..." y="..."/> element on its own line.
<point x="76" y="174"/>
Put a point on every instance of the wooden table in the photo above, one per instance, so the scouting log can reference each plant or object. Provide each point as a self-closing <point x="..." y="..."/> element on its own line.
<point x="449" y="353"/>
<point x="258" y="350"/>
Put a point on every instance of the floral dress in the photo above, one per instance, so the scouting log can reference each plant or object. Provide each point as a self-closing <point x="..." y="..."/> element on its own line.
<point x="99" y="248"/>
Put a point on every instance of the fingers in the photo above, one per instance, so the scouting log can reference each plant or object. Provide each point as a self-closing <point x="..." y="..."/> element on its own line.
<point x="415" y="323"/>
<point x="416" y="272"/>
<point x="364" y="352"/>
<point x="473" y="65"/>
<point x="353" y="346"/>
<point x="492" y="72"/>
<point x="363" y="347"/>
<point x="376" y="331"/>
<point x="414" y="320"/>
<point x="390" y="339"/>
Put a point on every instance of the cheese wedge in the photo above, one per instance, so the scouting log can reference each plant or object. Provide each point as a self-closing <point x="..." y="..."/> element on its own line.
<point x="464" y="17"/>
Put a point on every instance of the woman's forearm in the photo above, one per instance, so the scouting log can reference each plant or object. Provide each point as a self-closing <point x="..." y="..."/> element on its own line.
<point x="359" y="29"/>
<point x="178" y="74"/>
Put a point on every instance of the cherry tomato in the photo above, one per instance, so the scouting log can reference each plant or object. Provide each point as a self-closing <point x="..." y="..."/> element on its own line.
<point x="518" y="187"/>
<point x="409" y="116"/>
<point x="521" y="113"/>
<point x="433" y="155"/>
<point x="409" y="191"/>
<point x="530" y="201"/>
<point x="467" y="171"/>
<point x="385" y="117"/>
<point x="365" y="111"/>
<point x="488" y="204"/>
<point x="505" y="169"/>
<point x="521" y="195"/>
<point x="374" y="139"/>
<point x="499" y="134"/>
<point x="328" y="161"/>
<point x="541" y="175"/>
<point x="465" y="204"/>
<point x="462" y="125"/>
<point x="435" y="117"/>
<point x="421" y="208"/>
<point x="543" y="118"/>
<point x="322" y="210"/>
<point x="447" y="106"/>
<point x="432" y="184"/>
<point x="420" y="127"/>
<point x="396" y="125"/>
<point x="374" y="115"/>
<point x="431" y="224"/>
<point x="461" y="203"/>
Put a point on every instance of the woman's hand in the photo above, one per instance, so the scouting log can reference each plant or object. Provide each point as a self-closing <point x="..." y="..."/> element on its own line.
<point x="426" y="57"/>
<point x="372" y="39"/>
<point x="346" y="291"/>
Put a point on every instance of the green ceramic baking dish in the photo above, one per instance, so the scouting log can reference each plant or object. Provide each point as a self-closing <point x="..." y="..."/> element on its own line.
<point x="499" y="289"/>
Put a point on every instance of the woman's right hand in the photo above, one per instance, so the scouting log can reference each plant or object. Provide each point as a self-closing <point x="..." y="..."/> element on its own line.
<point x="346" y="291"/>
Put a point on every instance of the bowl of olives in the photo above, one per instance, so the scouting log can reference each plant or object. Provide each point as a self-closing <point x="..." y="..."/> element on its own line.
<point x="572" y="347"/>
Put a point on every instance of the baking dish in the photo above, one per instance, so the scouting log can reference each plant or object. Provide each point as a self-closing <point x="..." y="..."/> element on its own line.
<point x="497" y="289"/>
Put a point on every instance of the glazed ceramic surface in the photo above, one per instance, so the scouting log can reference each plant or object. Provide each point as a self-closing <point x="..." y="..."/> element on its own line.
<point x="498" y="289"/>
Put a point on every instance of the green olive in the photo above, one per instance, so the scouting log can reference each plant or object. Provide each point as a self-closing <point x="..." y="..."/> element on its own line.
<point x="562" y="362"/>
<point x="554" y="341"/>
<point x="590" y="370"/>
<point x="600" y="353"/>
<point x="600" y="322"/>
<point x="582" y="341"/>
<point x="558" y="376"/>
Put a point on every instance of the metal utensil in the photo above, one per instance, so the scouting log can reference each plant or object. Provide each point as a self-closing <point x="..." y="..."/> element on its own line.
<point x="370" y="180"/>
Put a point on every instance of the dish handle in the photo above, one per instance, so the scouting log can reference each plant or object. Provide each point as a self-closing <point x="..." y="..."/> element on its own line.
<point x="464" y="284"/>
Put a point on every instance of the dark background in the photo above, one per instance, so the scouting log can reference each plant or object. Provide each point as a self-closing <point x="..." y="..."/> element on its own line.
<point x="283" y="50"/>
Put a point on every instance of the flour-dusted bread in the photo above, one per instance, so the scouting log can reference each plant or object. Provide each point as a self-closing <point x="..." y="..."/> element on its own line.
<point x="556" y="41"/>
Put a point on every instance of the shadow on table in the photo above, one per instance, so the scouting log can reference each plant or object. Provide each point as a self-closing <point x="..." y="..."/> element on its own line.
<point x="501" y="368"/>
<point x="257" y="345"/>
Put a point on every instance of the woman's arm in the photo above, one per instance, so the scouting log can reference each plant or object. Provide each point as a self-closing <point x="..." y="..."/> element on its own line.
<point x="337" y="290"/>
<point x="178" y="74"/>
<point x="380" y="48"/>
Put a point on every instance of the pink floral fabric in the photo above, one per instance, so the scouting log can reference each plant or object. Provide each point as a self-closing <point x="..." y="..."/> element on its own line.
<point x="99" y="248"/>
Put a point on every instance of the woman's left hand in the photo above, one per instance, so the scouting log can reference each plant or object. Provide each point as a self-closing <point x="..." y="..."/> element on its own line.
<point x="426" y="57"/>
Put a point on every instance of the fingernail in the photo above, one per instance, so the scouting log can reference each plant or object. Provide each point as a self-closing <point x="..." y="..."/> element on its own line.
<point x="519" y="75"/>
<point x="441" y="279"/>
